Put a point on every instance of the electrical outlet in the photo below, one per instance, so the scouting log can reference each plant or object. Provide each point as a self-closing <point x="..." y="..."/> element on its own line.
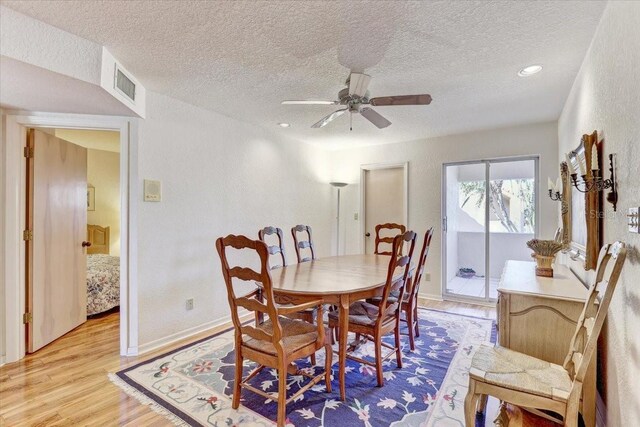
<point x="190" y="304"/>
<point x="355" y="216"/>
<point x="427" y="277"/>
<point x="634" y="220"/>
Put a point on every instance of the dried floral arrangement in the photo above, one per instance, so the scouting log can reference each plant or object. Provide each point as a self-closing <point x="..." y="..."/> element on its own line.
<point x="544" y="251"/>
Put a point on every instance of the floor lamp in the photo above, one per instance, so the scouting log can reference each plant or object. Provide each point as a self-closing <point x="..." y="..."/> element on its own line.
<point x="338" y="185"/>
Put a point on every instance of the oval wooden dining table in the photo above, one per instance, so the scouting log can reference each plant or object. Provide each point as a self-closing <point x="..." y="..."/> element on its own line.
<point x="339" y="280"/>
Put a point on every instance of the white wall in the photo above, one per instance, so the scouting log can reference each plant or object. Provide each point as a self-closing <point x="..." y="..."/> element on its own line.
<point x="219" y="176"/>
<point x="2" y="242"/>
<point x="103" y="172"/>
<point x="606" y="97"/>
<point x="425" y="159"/>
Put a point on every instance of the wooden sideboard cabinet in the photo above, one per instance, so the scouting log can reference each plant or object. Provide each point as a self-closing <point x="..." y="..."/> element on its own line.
<point x="538" y="316"/>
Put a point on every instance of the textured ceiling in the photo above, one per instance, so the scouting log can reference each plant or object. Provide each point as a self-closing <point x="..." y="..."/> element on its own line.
<point x="242" y="58"/>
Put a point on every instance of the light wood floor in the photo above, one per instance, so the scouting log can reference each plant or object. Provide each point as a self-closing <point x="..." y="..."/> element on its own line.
<point x="66" y="384"/>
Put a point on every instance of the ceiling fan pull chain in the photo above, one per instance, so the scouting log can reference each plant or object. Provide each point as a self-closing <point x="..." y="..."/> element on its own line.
<point x="350" y="121"/>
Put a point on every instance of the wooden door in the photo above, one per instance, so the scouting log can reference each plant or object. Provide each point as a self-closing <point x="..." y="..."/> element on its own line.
<point x="57" y="219"/>
<point x="383" y="201"/>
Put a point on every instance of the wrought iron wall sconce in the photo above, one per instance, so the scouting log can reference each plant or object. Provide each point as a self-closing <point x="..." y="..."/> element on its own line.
<point x="555" y="190"/>
<point x="556" y="196"/>
<point x="598" y="183"/>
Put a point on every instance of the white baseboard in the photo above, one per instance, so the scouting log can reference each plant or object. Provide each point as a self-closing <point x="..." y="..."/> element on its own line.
<point x="601" y="412"/>
<point x="2" y="360"/>
<point x="187" y="333"/>
<point x="432" y="297"/>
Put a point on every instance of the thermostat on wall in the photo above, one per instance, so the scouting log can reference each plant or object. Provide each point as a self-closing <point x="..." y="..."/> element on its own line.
<point x="152" y="191"/>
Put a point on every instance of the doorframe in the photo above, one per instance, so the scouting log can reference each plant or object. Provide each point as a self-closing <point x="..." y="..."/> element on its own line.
<point x="443" y="191"/>
<point x="15" y="126"/>
<point x="363" y="212"/>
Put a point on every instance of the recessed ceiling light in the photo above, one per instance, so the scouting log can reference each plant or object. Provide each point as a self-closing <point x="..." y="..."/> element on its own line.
<point x="284" y="125"/>
<point x="530" y="70"/>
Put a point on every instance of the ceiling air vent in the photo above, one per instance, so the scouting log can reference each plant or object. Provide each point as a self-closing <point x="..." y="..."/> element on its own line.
<point x="124" y="85"/>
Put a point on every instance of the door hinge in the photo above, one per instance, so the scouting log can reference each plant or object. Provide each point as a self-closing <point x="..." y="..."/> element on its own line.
<point x="444" y="223"/>
<point x="28" y="152"/>
<point x="27" y="318"/>
<point x="27" y="235"/>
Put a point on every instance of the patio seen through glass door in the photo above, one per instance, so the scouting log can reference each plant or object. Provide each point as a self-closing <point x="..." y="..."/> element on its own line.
<point x="490" y="211"/>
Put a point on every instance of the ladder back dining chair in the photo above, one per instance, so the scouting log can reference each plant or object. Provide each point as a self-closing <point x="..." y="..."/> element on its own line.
<point x="301" y="245"/>
<point x="277" y="342"/>
<point x="277" y="249"/>
<point x="410" y="300"/>
<point x="538" y="385"/>
<point x="380" y="239"/>
<point x="373" y="321"/>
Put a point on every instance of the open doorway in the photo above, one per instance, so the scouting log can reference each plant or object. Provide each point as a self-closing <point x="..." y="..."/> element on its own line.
<point x="15" y="132"/>
<point x="72" y="235"/>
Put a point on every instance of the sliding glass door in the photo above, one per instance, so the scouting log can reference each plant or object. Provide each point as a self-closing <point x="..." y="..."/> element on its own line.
<point x="489" y="212"/>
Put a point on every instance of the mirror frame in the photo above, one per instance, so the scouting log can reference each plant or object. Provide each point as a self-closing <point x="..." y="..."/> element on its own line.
<point x="588" y="253"/>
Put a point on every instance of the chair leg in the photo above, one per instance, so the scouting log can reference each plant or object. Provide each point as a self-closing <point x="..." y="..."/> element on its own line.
<point x="313" y="359"/>
<point x="412" y="342"/>
<point x="470" y="403"/>
<point x="328" y="351"/>
<point x="482" y="403"/>
<point x="282" y="394"/>
<point x="237" y="389"/>
<point x="398" y="349"/>
<point x="415" y="318"/>
<point x="573" y="406"/>
<point x="378" y="345"/>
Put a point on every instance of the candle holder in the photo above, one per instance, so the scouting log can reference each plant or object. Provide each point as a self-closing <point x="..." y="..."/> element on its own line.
<point x="597" y="183"/>
<point x="555" y="196"/>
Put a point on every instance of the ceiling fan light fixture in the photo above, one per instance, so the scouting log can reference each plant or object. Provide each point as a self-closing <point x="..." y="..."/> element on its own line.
<point x="284" y="125"/>
<point x="530" y="70"/>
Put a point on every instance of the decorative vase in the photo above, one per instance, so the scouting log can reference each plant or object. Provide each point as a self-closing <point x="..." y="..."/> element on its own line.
<point x="544" y="265"/>
<point x="544" y="252"/>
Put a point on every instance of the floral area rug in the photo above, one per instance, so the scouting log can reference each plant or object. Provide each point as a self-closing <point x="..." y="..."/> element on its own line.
<point x="193" y="384"/>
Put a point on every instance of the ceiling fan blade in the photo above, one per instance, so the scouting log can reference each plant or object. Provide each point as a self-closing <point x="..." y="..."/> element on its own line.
<point x="424" y="99"/>
<point x="309" y="102"/>
<point x="326" y="120"/>
<point x="358" y="84"/>
<point x="374" y="117"/>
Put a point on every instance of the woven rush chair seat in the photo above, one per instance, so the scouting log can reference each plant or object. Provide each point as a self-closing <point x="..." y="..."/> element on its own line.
<point x="296" y="334"/>
<point x="518" y="371"/>
<point x="360" y="313"/>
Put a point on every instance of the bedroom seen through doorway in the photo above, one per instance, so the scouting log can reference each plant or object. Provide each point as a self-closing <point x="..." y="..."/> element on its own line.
<point x="72" y="237"/>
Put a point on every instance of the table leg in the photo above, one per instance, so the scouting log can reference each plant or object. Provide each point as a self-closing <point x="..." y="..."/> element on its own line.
<point x="342" y="342"/>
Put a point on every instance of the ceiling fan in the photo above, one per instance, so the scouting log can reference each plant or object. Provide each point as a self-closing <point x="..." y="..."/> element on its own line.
<point x="355" y="99"/>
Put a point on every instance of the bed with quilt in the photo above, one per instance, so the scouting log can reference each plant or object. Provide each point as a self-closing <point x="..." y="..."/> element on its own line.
<point x="103" y="272"/>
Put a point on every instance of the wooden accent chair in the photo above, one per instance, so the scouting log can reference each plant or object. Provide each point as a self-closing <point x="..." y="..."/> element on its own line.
<point x="388" y="239"/>
<point x="307" y="315"/>
<point x="374" y="321"/>
<point x="277" y="342"/>
<point x="537" y="385"/>
<point x="303" y="244"/>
